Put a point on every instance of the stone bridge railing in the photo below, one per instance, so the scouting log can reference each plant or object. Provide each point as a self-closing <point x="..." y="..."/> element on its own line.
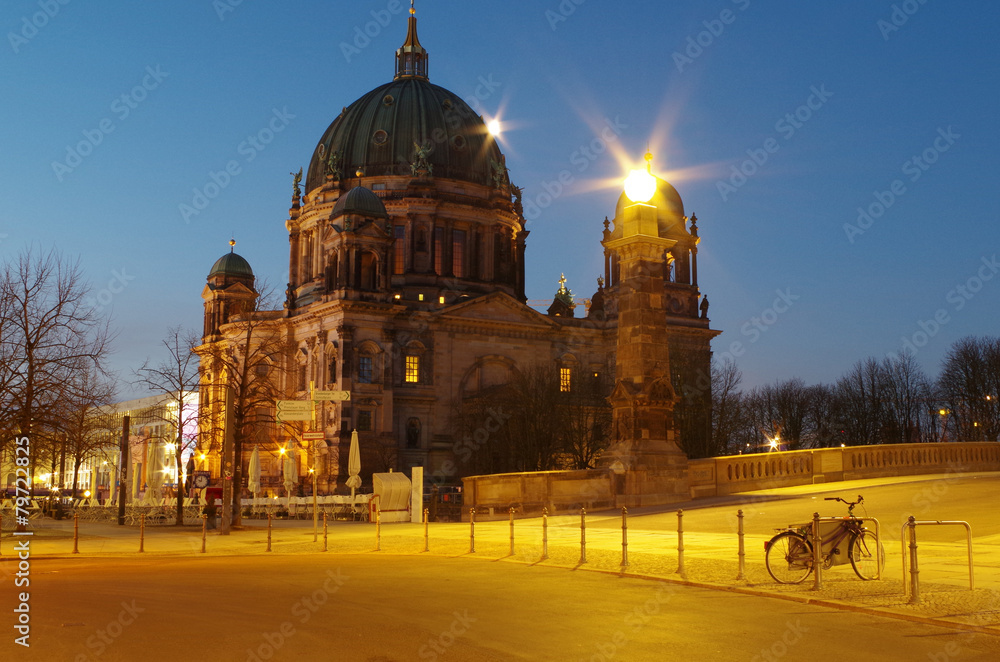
<point x="743" y="473"/>
<point x="559" y="491"/>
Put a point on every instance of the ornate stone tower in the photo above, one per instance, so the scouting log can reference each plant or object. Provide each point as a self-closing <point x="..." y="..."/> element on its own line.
<point x="645" y="448"/>
<point x="229" y="291"/>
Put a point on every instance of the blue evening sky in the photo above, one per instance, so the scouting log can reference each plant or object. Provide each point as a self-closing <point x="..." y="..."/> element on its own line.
<point x="709" y="85"/>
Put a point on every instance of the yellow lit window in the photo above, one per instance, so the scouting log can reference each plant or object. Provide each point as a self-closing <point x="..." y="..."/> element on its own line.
<point x="565" y="375"/>
<point x="412" y="374"/>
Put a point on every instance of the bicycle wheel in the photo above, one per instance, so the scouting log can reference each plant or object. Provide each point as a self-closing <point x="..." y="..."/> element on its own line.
<point x="789" y="558"/>
<point x="866" y="560"/>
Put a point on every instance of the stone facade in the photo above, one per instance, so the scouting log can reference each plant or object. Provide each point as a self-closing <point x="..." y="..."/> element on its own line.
<point x="406" y="287"/>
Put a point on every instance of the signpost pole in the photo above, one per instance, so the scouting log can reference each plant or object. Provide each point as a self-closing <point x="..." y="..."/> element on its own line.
<point x="315" y="469"/>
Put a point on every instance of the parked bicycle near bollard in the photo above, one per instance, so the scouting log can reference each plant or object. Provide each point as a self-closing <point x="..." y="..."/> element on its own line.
<point x="789" y="554"/>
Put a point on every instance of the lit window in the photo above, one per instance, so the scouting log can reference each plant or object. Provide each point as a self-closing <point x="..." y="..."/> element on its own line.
<point x="565" y="375"/>
<point x="365" y="370"/>
<point x="412" y="374"/>
<point x="364" y="421"/>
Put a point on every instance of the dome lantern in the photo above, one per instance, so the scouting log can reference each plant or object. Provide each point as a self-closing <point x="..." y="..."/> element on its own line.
<point x="411" y="57"/>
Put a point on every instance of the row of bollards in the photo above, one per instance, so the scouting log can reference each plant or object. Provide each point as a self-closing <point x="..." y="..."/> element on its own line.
<point x="681" y="570"/>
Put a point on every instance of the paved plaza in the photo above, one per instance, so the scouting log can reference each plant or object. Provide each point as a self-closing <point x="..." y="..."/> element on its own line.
<point x="710" y="550"/>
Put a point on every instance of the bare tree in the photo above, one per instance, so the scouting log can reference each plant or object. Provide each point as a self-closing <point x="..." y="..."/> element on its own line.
<point x="175" y="376"/>
<point x="778" y="412"/>
<point x="863" y="393"/>
<point x="970" y="385"/>
<point x="81" y="418"/>
<point x="586" y="420"/>
<point x="249" y="361"/>
<point x="727" y="406"/>
<point x="907" y="389"/>
<point x="49" y="333"/>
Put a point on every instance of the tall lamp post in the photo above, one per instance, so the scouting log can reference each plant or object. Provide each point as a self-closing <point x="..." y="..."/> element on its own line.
<point x="943" y="413"/>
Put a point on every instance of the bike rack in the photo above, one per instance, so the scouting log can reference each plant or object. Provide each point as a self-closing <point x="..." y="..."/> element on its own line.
<point x="914" y="584"/>
<point x="817" y="543"/>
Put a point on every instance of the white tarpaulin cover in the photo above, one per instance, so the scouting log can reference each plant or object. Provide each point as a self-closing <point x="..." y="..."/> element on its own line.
<point x="392" y="491"/>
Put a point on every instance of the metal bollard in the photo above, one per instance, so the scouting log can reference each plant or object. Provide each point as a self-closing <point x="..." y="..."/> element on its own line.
<point x="741" y="574"/>
<point x="680" y="544"/>
<point x="914" y="571"/>
<point x="624" y="563"/>
<point x="472" y="530"/>
<point x="325" y="548"/>
<point x="583" y="535"/>
<point x="142" y="531"/>
<point x="204" y="531"/>
<point x="76" y="534"/>
<point x="426" y="519"/>
<point x="512" y="530"/>
<point x="545" y="533"/>
<point x="817" y="555"/>
<point x="378" y="529"/>
<point x="269" y="532"/>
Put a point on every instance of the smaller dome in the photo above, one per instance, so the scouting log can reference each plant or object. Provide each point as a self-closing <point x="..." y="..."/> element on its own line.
<point x="359" y="200"/>
<point x="669" y="208"/>
<point x="231" y="264"/>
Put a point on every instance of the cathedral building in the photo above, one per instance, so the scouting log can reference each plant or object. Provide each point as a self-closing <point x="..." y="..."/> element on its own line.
<point x="406" y="289"/>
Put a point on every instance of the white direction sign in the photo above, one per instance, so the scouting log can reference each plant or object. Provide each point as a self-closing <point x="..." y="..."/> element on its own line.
<point x="335" y="396"/>
<point x="313" y="436"/>
<point x="294" y="410"/>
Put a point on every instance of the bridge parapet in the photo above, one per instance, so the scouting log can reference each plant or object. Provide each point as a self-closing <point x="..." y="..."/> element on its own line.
<point x="760" y="471"/>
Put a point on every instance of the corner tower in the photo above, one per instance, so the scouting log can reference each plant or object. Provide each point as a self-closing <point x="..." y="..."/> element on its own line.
<point x="228" y="292"/>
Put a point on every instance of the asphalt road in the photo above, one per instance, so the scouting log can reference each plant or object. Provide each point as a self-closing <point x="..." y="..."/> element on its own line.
<point x="377" y="608"/>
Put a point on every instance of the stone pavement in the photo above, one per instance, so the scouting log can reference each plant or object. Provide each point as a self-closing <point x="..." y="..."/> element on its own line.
<point x="710" y="552"/>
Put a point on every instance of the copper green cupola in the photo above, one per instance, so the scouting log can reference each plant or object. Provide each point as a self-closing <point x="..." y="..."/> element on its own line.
<point x="411" y="58"/>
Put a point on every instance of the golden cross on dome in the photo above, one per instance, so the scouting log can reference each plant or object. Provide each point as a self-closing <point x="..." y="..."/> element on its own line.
<point x="232" y="244"/>
<point x="412" y="10"/>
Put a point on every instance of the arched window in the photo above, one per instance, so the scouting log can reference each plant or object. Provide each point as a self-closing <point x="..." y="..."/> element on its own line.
<point x="369" y="364"/>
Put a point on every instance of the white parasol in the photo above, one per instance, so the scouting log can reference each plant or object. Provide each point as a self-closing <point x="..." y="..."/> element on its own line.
<point x="354" y="465"/>
<point x="253" y="471"/>
<point x="291" y="471"/>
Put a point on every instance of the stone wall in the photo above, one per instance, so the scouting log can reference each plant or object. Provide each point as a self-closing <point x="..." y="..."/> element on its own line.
<point x="744" y="473"/>
<point x="527" y="493"/>
<point x="562" y="491"/>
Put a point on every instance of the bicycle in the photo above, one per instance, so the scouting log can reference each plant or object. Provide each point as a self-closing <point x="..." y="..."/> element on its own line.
<point x="789" y="554"/>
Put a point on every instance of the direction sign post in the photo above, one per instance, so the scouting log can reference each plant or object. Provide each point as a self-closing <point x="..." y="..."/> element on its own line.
<point x="294" y="410"/>
<point x="332" y="396"/>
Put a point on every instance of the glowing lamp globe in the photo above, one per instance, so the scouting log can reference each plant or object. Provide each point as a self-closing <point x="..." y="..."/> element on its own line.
<point x="640" y="186"/>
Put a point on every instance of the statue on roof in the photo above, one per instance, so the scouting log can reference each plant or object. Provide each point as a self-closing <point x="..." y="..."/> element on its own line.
<point x="333" y="165"/>
<point x="421" y="166"/>
<point x="296" y="182"/>
<point x="500" y="178"/>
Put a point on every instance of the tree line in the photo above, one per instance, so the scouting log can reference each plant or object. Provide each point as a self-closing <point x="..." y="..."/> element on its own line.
<point x="887" y="401"/>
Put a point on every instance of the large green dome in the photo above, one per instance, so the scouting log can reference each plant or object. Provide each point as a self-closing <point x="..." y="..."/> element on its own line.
<point x="231" y="264"/>
<point x="379" y="134"/>
<point x="407" y="127"/>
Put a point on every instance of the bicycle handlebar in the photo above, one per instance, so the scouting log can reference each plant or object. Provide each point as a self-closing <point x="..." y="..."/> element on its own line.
<point x="850" y="504"/>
